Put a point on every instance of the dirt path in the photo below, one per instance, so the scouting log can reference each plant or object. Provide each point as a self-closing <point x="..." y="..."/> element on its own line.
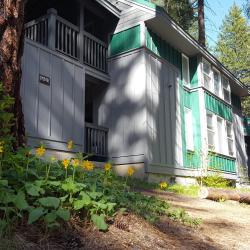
<point x="225" y="223"/>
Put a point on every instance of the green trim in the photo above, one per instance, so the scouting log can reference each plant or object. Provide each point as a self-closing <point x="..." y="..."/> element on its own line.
<point x="191" y="159"/>
<point x="236" y="101"/>
<point x="147" y="3"/>
<point x="125" y="40"/>
<point x="161" y="48"/>
<point x="193" y="71"/>
<point x="218" y="107"/>
<point x="247" y="126"/>
<point x="223" y="163"/>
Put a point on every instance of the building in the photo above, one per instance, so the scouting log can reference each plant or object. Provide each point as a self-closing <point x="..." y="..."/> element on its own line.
<point x="126" y="83"/>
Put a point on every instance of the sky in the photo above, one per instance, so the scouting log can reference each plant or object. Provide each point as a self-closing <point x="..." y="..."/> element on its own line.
<point x="214" y="14"/>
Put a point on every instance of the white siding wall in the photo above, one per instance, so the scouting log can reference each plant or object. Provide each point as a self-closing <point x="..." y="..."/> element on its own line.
<point x="123" y="109"/>
<point x="163" y="113"/>
<point x="54" y="113"/>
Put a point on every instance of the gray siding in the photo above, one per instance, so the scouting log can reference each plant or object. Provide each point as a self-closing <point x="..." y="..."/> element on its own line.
<point x="241" y="155"/>
<point x="163" y="114"/>
<point x="54" y="113"/>
<point x="132" y="17"/>
<point x="123" y="109"/>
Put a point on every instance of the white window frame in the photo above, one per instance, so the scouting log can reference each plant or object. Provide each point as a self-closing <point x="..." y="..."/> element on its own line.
<point x="230" y="138"/>
<point x="211" y="130"/>
<point x="221" y="137"/>
<point x="184" y="57"/>
<point x="189" y="134"/>
<point x="210" y="87"/>
<point x="227" y="89"/>
<point x="220" y="91"/>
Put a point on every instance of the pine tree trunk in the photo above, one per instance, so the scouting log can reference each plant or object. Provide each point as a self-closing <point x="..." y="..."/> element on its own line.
<point x="11" y="49"/>
<point x="201" y="23"/>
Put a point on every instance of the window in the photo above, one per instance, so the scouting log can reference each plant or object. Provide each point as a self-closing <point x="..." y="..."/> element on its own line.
<point x="189" y="129"/>
<point x="185" y="70"/>
<point x="206" y="72"/>
<point x="230" y="141"/>
<point x="216" y="79"/>
<point x="226" y="89"/>
<point x="220" y="136"/>
<point x="210" y="131"/>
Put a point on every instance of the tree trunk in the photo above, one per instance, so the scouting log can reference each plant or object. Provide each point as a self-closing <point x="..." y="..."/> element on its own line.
<point x="217" y="194"/>
<point x="201" y="23"/>
<point x="11" y="49"/>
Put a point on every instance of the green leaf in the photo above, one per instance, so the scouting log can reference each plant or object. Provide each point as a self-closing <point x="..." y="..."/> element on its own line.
<point x="50" y="202"/>
<point x="20" y="201"/>
<point x="99" y="221"/>
<point x="63" y="214"/>
<point x="50" y="217"/>
<point x="95" y="195"/>
<point x="35" y="214"/>
<point x="4" y="182"/>
<point x="32" y="189"/>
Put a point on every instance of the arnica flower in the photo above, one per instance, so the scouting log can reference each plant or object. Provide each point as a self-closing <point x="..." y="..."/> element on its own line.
<point x="70" y="145"/>
<point x="131" y="171"/>
<point x="107" y="167"/>
<point x="65" y="163"/>
<point x="40" y="151"/>
<point x="75" y="163"/>
<point x="163" y="185"/>
<point x="88" y="165"/>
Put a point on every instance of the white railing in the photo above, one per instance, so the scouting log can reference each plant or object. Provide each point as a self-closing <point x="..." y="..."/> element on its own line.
<point x="59" y="34"/>
<point x="96" y="140"/>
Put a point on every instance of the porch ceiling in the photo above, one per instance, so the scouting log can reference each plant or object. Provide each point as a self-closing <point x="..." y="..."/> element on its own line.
<point x="110" y="7"/>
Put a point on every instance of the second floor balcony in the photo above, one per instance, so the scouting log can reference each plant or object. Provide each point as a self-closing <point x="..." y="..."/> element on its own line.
<point x="60" y="35"/>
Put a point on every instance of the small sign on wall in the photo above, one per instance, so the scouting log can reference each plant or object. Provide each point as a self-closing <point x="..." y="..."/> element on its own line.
<point x="44" y="79"/>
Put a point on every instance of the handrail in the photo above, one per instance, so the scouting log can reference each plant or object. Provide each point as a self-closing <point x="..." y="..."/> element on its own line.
<point x="36" y="21"/>
<point x="69" y="24"/>
<point x="91" y="125"/>
<point x="95" y="39"/>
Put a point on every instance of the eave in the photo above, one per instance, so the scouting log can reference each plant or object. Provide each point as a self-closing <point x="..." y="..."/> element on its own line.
<point x="110" y="7"/>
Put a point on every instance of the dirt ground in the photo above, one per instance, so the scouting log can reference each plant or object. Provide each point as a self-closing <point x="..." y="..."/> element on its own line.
<point x="225" y="226"/>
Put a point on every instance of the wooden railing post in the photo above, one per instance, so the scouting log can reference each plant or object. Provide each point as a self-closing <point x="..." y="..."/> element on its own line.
<point x="52" y="28"/>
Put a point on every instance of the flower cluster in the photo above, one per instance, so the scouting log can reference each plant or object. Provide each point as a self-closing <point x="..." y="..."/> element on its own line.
<point x="66" y="163"/>
<point x="107" y="167"/>
<point x="131" y="171"/>
<point x="88" y="165"/>
<point x="163" y="185"/>
<point x="75" y="163"/>
<point x="40" y="151"/>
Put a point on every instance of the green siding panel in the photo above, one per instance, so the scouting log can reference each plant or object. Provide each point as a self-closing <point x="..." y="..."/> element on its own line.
<point x="125" y="40"/>
<point x="236" y="101"/>
<point x="247" y="126"/>
<point x="193" y="71"/>
<point x="218" y="107"/>
<point x="163" y="49"/>
<point x="222" y="163"/>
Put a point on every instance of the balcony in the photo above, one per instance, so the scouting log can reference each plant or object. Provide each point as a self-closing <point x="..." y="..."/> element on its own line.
<point x="60" y="35"/>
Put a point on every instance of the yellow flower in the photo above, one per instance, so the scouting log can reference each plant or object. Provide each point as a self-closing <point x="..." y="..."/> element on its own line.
<point x="70" y="145"/>
<point x="131" y="171"/>
<point x="65" y="163"/>
<point x="40" y="151"/>
<point x="1" y="149"/>
<point x="88" y="165"/>
<point x="163" y="185"/>
<point x="75" y="163"/>
<point x="107" y="167"/>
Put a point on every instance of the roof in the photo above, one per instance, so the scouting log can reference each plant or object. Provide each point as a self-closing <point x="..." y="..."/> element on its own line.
<point x="181" y="39"/>
<point x="109" y="6"/>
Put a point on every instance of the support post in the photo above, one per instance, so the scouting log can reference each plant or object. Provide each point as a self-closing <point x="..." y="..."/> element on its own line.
<point x="52" y="28"/>
<point x="81" y="34"/>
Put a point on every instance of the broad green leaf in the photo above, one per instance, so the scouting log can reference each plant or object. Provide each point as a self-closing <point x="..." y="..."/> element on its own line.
<point x="99" y="221"/>
<point x="32" y="189"/>
<point x="95" y="195"/>
<point x="50" y="202"/>
<point x="111" y="206"/>
<point x="63" y="214"/>
<point x="83" y="202"/>
<point x="20" y="201"/>
<point x="50" y="217"/>
<point x="35" y="214"/>
<point x="64" y="198"/>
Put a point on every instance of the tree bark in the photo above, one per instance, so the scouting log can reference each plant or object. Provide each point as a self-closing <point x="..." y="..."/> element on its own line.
<point x="11" y="50"/>
<point x="201" y="23"/>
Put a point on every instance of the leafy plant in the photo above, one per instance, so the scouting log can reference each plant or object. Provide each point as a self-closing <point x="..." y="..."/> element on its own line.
<point x="215" y="180"/>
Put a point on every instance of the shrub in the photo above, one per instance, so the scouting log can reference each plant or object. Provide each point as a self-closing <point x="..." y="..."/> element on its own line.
<point x="215" y="180"/>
